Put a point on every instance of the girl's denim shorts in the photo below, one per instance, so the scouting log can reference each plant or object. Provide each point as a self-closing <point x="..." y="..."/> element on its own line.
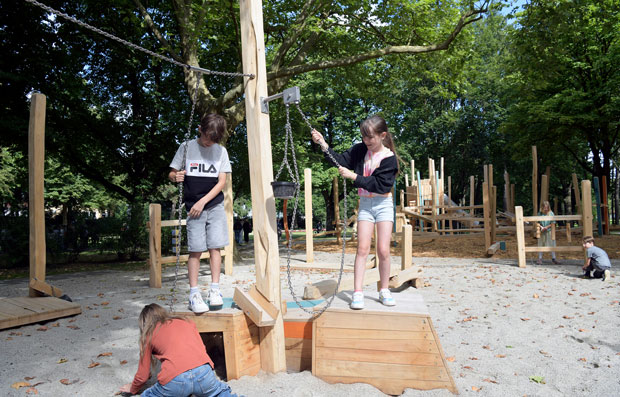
<point x="376" y="209"/>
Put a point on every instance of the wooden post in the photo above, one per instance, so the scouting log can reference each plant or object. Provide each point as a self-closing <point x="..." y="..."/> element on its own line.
<point x="512" y="198"/>
<point x="266" y="256"/>
<point x="520" y="235"/>
<point x="487" y="215"/>
<point x="228" y="207"/>
<point x="604" y="205"/>
<point x="577" y="196"/>
<point x="586" y="206"/>
<point x="155" y="245"/>
<point x="336" y="210"/>
<point x="412" y="172"/>
<point x="493" y="214"/>
<point x="597" y="196"/>
<point x="544" y="190"/>
<point x="406" y="242"/>
<point x="472" y="199"/>
<point x="506" y="191"/>
<point x="309" y="220"/>
<point x="36" y="173"/>
<point x="534" y="182"/>
<point x="406" y="180"/>
<point x="449" y="222"/>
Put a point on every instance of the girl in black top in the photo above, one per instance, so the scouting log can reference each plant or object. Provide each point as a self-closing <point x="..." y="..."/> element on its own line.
<point x="372" y="166"/>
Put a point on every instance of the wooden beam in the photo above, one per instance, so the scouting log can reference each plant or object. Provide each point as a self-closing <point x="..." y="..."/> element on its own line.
<point x="520" y="235"/>
<point x="155" y="245"/>
<point x="493" y="248"/>
<point x="309" y="220"/>
<point x="534" y="181"/>
<point x="262" y="312"/>
<point x="45" y="288"/>
<point x="586" y="204"/>
<point x="36" y="173"/>
<point x="406" y="246"/>
<point x="228" y="208"/>
<point x="266" y="256"/>
<point x="487" y="214"/>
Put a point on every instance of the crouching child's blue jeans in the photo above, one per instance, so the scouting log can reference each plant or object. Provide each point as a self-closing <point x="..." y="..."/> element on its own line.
<point x="200" y="381"/>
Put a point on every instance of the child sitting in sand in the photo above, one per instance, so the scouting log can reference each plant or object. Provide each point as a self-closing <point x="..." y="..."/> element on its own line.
<point x="597" y="262"/>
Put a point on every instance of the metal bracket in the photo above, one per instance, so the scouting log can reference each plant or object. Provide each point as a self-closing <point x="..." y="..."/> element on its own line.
<point x="290" y="95"/>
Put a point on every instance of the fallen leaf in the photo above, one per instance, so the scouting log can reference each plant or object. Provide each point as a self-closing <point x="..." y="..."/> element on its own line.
<point x="72" y="320"/>
<point x="535" y="296"/>
<point x="68" y="382"/>
<point x="93" y="364"/>
<point x="500" y="355"/>
<point x="15" y="333"/>
<point x="583" y="359"/>
<point x="525" y="319"/>
<point x="17" y="385"/>
<point x="104" y="303"/>
<point x="42" y="328"/>
<point x="100" y="295"/>
<point x="123" y="362"/>
<point x="32" y="390"/>
<point x="489" y="380"/>
<point x="73" y="326"/>
<point x="585" y="294"/>
<point x="61" y="361"/>
<point x="116" y="318"/>
<point x="451" y="359"/>
<point x="55" y="325"/>
<point x="568" y="317"/>
<point x="474" y="388"/>
<point x="537" y="379"/>
<point x="467" y="367"/>
<point x="473" y="358"/>
<point x="29" y="377"/>
<point x="106" y="354"/>
<point x="583" y="330"/>
<point x="486" y="347"/>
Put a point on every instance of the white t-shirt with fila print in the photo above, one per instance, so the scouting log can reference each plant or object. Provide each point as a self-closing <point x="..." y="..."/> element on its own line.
<point x="203" y="166"/>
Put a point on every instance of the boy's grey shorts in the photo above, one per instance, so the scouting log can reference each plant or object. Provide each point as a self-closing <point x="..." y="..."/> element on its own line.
<point x="208" y="231"/>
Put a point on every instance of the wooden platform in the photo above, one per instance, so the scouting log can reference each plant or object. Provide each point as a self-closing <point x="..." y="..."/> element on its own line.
<point x="391" y="348"/>
<point x="241" y="339"/>
<point x="15" y="312"/>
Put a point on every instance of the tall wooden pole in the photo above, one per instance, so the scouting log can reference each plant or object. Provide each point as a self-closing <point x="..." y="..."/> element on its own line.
<point x="534" y="181"/>
<point x="266" y="257"/>
<point x="309" y="220"/>
<point x="36" y="170"/>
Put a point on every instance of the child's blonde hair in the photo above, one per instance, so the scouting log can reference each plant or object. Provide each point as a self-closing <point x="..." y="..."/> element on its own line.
<point x="150" y="317"/>
<point x="588" y="239"/>
<point x="545" y="204"/>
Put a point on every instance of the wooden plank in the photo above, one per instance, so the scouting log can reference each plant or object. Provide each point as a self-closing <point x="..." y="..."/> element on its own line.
<point x="45" y="288"/>
<point x="520" y="235"/>
<point x="566" y="248"/>
<point x="409" y="274"/>
<point x="155" y="245"/>
<point x="493" y="248"/>
<point x="393" y="387"/>
<point x="267" y="306"/>
<point x="380" y="356"/>
<point x="346" y="368"/>
<point x="184" y="258"/>
<point x="266" y="256"/>
<point x="539" y="218"/>
<point x="382" y="334"/>
<point x="173" y="223"/>
<point x="406" y="246"/>
<point x="586" y="204"/>
<point x="21" y="311"/>
<point x="36" y="173"/>
<point x="419" y="345"/>
<point x="252" y="308"/>
<point x="369" y="320"/>
<point x="308" y="213"/>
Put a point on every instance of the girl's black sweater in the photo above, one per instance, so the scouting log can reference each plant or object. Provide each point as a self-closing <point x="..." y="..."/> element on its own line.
<point x="380" y="181"/>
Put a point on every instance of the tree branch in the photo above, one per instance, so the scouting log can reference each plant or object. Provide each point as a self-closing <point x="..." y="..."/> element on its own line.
<point x="153" y="28"/>
<point x="346" y="61"/>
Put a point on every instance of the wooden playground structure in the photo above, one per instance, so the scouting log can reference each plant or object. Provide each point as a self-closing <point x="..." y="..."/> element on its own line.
<point x="43" y="301"/>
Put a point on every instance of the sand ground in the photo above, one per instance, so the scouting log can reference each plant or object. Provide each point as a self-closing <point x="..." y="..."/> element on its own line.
<point x="506" y="331"/>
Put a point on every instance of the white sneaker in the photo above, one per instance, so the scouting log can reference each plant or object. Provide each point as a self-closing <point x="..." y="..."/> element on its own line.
<point x="357" y="302"/>
<point x="606" y="275"/>
<point x="215" y="297"/>
<point x="385" y="296"/>
<point x="197" y="304"/>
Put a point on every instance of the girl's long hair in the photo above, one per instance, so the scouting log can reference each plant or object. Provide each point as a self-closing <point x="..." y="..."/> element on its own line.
<point x="150" y="317"/>
<point x="375" y="125"/>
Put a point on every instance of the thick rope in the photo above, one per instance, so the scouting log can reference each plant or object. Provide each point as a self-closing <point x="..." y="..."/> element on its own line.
<point x="134" y="46"/>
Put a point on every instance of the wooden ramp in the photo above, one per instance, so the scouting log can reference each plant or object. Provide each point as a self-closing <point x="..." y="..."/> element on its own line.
<point x="15" y="312"/>
<point x="391" y="348"/>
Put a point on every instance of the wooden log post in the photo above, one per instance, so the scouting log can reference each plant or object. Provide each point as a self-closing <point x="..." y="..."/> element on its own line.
<point x="155" y="245"/>
<point x="544" y="190"/>
<point x="36" y="174"/>
<point x="472" y="199"/>
<point x="487" y="215"/>
<point x="309" y="220"/>
<point x="266" y="256"/>
<point x="586" y="207"/>
<point x="534" y="182"/>
<point x="520" y="235"/>
<point x="577" y="196"/>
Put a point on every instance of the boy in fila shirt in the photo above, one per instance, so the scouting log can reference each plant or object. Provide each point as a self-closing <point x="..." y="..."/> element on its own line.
<point x="204" y="176"/>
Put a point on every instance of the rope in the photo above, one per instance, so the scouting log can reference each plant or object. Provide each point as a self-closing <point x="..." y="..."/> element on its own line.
<point x="177" y="229"/>
<point x="289" y="136"/>
<point x="134" y="46"/>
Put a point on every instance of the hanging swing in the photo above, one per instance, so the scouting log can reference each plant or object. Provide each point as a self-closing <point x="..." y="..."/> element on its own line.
<point x="289" y="190"/>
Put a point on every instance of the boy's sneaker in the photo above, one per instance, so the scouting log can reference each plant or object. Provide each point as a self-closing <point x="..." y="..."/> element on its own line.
<point x="357" y="302"/>
<point x="385" y="296"/>
<point x="197" y="304"/>
<point x="215" y="297"/>
<point x="606" y="275"/>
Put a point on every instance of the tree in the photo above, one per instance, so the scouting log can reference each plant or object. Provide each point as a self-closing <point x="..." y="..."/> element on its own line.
<point x="566" y="79"/>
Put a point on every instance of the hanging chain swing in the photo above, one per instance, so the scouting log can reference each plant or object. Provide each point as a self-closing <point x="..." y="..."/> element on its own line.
<point x="284" y="191"/>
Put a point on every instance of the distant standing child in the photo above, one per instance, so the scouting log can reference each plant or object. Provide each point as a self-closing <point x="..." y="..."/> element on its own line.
<point x="372" y="166"/>
<point x="247" y="229"/>
<point x="597" y="264"/>
<point x="204" y="177"/>
<point x="186" y="368"/>
<point x="545" y="232"/>
<point x="238" y="229"/>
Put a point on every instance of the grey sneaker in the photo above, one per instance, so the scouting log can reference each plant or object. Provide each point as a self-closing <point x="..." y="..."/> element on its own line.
<point x="606" y="275"/>
<point x="215" y="297"/>
<point x="357" y="303"/>
<point x="197" y="304"/>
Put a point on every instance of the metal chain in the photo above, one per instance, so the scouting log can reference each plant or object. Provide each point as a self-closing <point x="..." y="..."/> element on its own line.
<point x="317" y="313"/>
<point x="134" y="46"/>
<point x="177" y="229"/>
